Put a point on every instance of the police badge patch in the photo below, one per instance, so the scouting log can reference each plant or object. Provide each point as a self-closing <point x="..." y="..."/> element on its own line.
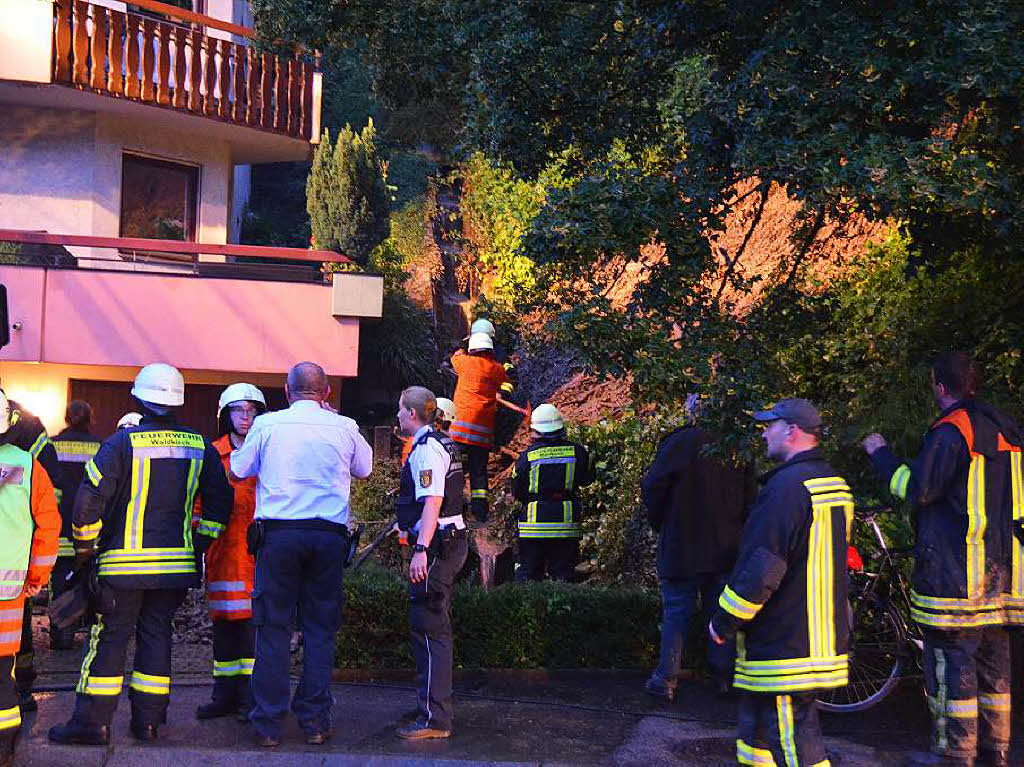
<point x="426" y="476"/>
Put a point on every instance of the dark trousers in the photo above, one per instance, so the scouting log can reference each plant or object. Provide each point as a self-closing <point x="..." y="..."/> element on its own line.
<point x="234" y="653"/>
<point x="430" y="623"/>
<point x="557" y="557"/>
<point x="296" y="568"/>
<point x="63" y="567"/>
<point x="967" y="682"/>
<point x="145" y="614"/>
<point x="679" y="603"/>
<point x="476" y="465"/>
<point x="780" y="730"/>
<point x="25" y="661"/>
<point x="10" y="714"/>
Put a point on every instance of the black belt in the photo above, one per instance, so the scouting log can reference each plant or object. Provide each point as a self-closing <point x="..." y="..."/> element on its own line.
<point x="312" y="523"/>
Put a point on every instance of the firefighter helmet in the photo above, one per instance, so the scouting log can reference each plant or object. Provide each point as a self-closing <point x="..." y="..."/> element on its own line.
<point x="129" y="420"/>
<point x="546" y="419"/>
<point x="160" y="384"/>
<point x="482" y="326"/>
<point x="445" y="409"/>
<point x="480" y="341"/>
<point x="239" y="392"/>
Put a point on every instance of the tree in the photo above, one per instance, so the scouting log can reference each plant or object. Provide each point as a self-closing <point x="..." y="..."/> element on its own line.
<point x="346" y="196"/>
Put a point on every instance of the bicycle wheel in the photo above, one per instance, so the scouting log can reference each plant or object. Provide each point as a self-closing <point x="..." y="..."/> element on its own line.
<point x="877" y="656"/>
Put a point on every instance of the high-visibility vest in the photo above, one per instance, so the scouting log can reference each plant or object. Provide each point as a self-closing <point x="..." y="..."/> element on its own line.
<point x="15" y="520"/>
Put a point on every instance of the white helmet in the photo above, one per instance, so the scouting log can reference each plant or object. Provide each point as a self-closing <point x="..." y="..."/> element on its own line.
<point x="129" y="420"/>
<point x="478" y="341"/>
<point x="160" y="384"/>
<point x="238" y="392"/>
<point x="482" y="326"/>
<point x="546" y="419"/>
<point x="5" y="413"/>
<point x="445" y="409"/>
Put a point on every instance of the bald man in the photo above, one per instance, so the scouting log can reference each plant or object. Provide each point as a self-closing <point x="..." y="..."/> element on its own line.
<point x="303" y="459"/>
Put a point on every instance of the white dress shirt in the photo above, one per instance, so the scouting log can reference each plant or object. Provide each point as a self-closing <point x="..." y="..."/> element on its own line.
<point x="304" y="459"/>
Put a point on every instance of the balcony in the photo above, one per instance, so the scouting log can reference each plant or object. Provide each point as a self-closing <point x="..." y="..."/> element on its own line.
<point x="185" y="64"/>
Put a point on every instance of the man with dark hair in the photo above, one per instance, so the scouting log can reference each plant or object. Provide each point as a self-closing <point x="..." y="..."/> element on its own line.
<point x="967" y="579"/>
<point x="303" y="459"/>
<point x="75" y="447"/>
<point x="787" y="593"/>
<point x="429" y="510"/>
<point x="696" y="504"/>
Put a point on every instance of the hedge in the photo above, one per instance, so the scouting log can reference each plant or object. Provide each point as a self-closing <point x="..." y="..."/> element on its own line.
<point x="535" y="625"/>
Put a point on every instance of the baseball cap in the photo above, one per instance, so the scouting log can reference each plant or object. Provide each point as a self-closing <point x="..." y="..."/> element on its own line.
<point x="795" y="411"/>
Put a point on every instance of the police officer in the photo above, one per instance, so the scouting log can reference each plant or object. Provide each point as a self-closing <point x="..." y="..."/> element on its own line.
<point x="27" y="432"/>
<point x="429" y="506"/>
<point x="230" y="567"/>
<point x="75" y="447"/>
<point x="546" y="478"/>
<point x="787" y="593"/>
<point x="964" y="499"/>
<point x="134" y="513"/>
<point x="29" y="525"/>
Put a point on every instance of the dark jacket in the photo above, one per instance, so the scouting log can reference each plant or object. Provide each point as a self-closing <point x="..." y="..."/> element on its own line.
<point x="546" y="479"/>
<point x="137" y="500"/>
<point x="787" y="593"/>
<point x="960" y="487"/>
<point x="696" y="505"/>
<point x="74" y="449"/>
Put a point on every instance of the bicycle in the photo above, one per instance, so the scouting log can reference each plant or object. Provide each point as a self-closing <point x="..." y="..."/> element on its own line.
<point x="885" y="645"/>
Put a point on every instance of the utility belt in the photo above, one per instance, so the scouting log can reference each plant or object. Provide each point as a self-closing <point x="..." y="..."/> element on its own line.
<point x="256" y="534"/>
<point x="442" y="545"/>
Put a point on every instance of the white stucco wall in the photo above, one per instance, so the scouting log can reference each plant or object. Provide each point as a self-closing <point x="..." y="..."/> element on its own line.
<point x="60" y="170"/>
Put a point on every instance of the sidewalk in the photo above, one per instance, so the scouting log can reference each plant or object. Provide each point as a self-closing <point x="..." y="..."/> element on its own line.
<point x="501" y="718"/>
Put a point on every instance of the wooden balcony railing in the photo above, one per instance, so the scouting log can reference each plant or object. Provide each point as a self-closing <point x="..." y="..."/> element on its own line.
<point x="137" y="57"/>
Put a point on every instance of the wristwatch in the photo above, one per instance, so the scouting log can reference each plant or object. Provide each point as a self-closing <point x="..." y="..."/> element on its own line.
<point x="418" y="548"/>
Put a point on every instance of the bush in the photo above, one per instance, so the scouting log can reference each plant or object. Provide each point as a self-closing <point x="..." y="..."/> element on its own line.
<point x="535" y="625"/>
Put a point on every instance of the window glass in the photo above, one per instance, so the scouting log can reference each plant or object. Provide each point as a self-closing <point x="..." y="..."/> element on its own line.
<point x="158" y="199"/>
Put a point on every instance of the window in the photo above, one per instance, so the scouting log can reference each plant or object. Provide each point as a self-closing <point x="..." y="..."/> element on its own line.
<point x="158" y="199"/>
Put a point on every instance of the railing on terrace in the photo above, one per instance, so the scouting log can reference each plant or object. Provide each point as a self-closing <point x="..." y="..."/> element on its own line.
<point x="138" y="57"/>
<point x="43" y="249"/>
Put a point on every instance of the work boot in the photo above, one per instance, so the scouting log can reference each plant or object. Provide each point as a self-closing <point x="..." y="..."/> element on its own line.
<point x="224" y="701"/>
<point x="143" y="731"/>
<point x="663" y="691"/>
<point x="76" y="734"/>
<point x="420" y="730"/>
<point x="27" y="702"/>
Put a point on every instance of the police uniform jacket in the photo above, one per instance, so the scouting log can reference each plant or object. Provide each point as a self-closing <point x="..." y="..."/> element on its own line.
<point x="74" y="449"/>
<point x="787" y="593"/>
<point x="135" y="504"/>
<point x="963" y="495"/>
<point x="547" y="478"/>
<point x="437" y="474"/>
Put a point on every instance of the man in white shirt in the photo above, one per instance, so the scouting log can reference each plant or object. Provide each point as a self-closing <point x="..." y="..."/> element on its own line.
<point x="303" y="459"/>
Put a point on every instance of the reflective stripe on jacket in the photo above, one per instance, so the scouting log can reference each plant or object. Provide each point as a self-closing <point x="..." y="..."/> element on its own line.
<point x="230" y="569"/>
<point x="480" y="380"/>
<point x="546" y="479"/>
<point x="137" y="498"/>
<point x="787" y="593"/>
<point x="74" y="450"/>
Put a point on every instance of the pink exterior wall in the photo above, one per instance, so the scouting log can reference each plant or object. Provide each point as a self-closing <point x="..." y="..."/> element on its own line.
<point x="122" y="318"/>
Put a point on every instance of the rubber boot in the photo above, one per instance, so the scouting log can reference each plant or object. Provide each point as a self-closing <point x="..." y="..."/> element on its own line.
<point x="76" y="734"/>
<point x="245" y="699"/>
<point x="224" y="701"/>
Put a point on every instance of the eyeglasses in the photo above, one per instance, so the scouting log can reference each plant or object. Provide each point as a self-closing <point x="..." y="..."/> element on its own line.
<point x="247" y="410"/>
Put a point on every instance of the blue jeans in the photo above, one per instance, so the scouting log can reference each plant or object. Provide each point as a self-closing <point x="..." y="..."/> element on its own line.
<point x="679" y="604"/>
<point x="296" y="568"/>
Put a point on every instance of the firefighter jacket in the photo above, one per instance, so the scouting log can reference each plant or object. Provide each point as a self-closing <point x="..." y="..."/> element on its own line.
<point x="788" y="590"/>
<point x="230" y="568"/>
<point x="74" y="450"/>
<point x="29" y="524"/>
<point x="481" y="378"/>
<point x="407" y="508"/>
<point x="960" y="487"/>
<point x="135" y="505"/>
<point x="546" y="478"/>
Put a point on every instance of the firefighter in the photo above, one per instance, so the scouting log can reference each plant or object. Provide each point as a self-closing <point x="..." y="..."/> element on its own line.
<point x="546" y="479"/>
<point x="28" y="548"/>
<point x="27" y="432"/>
<point x="133" y="512"/>
<point x="429" y="508"/>
<point x="129" y="419"/>
<point x="230" y="568"/>
<point x="787" y="594"/>
<point x="964" y="502"/>
<point x="75" y="447"/>
<point x="481" y="378"/>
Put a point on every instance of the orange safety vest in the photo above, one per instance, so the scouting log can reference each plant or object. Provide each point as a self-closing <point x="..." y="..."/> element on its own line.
<point x="481" y="377"/>
<point x="230" y="569"/>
